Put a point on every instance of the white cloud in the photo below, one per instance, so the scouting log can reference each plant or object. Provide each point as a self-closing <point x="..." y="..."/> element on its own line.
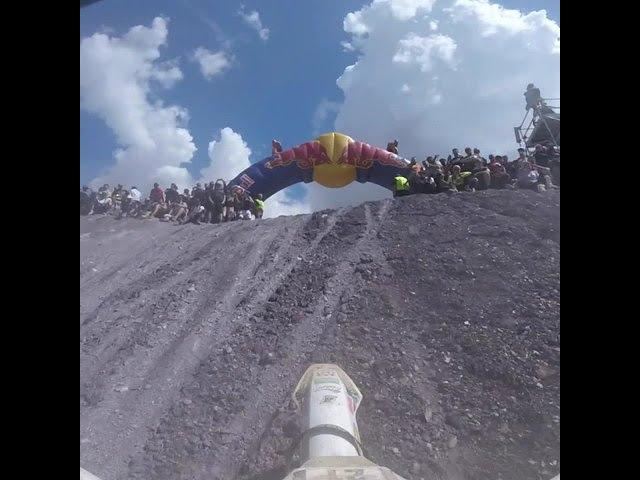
<point x="407" y="9"/>
<point x="461" y="86"/>
<point x="493" y="18"/>
<point x="347" y="47"/>
<point x="282" y="204"/>
<point x="229" y="155"/>
<point x="354" y="24"/>
<point x="320" y="198"/>
<point x="316" y="197"/>
<point x="211" y="64"/>
<point x="117" y="78"/>
<point x="424" y="50"/>
<point x="253" y="20"/>
<point x="167" y="74"/>
<point x="322" y="112"/>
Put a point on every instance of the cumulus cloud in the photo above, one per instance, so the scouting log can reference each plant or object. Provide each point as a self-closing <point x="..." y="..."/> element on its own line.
<point x="319" y="197"/>
<point x="437" y="75"/>
<point x="211" y="64"/>
<point x="228" y="155"/>
<point x="118" y="75"/>
<point x="324" y="109"/>
<point x="407" y="9"/>
<point x="253" y="20"/>
<point x="282" y="203"/>
<point x="346" y="46"/>
<point x="423" y="51"/>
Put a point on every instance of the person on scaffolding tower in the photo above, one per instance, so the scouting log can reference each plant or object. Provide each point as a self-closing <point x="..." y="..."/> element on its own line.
<point x="534" y="100"/>
<point x="532" y="96"/>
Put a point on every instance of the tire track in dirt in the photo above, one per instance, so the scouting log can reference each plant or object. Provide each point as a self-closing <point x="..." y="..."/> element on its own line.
<point x="443" y="302"/>
<point x="152" y="375"/>
<point x="255" y="389"/>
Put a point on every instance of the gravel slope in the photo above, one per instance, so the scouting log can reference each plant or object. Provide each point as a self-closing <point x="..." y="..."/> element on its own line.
<point x="440" y="307"/>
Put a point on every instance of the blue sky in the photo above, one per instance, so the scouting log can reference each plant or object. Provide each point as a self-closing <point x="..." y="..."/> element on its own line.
<point x="272" y="87"/>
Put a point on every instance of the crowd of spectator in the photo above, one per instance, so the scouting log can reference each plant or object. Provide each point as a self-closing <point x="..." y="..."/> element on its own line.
<point x="538" y="170"/>
<point x="216" y="202"/>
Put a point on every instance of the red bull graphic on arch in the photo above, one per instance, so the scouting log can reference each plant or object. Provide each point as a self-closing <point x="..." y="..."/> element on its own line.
<point x="333" y="160"/>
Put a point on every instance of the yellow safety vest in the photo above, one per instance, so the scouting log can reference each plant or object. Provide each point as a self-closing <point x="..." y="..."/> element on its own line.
<point x="459" y="180"/>
<point x="401" y="183"/>
<point x="259" y="204"/>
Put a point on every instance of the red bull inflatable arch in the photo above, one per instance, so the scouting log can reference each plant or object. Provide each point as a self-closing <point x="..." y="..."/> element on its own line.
<point x="333" y="160"/>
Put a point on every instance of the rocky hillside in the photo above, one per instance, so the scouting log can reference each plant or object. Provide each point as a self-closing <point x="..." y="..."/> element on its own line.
<point x="444" y="309"/>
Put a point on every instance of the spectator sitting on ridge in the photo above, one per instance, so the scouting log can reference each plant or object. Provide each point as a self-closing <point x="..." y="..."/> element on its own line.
<point x="499" y="176"/>
<point x="158" y="201"/>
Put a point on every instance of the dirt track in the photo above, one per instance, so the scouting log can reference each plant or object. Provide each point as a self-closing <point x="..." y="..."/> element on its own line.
<point x="193" y="337"/>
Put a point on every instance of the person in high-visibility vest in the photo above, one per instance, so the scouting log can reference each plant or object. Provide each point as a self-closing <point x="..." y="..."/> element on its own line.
<point x="459" y="179"/>
<point x="400" y="186"/>
<point x="259" y="208"/>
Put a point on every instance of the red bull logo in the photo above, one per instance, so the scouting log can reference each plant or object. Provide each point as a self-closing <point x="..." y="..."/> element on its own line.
<point x="357" y="154"/>
<point x="306" y="156"/>
<point x="246" y="181"/>
<point x="363" y="155"/>
<point x="334" y="158"/>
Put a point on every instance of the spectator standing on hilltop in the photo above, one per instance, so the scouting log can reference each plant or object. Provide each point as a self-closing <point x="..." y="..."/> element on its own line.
<point x="172" y="195"/>
<point x="470" y="162"/>
<point x="455" y="158"/>
<point x="259" y="209"/>
<point x="208" y="203"/>
<point x="476" y="153"/>
<point x="401" y="186"/>
<point x="219" y="197"/>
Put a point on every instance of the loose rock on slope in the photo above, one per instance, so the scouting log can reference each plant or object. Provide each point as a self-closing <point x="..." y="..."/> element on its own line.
<point x="193" y="337"/>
